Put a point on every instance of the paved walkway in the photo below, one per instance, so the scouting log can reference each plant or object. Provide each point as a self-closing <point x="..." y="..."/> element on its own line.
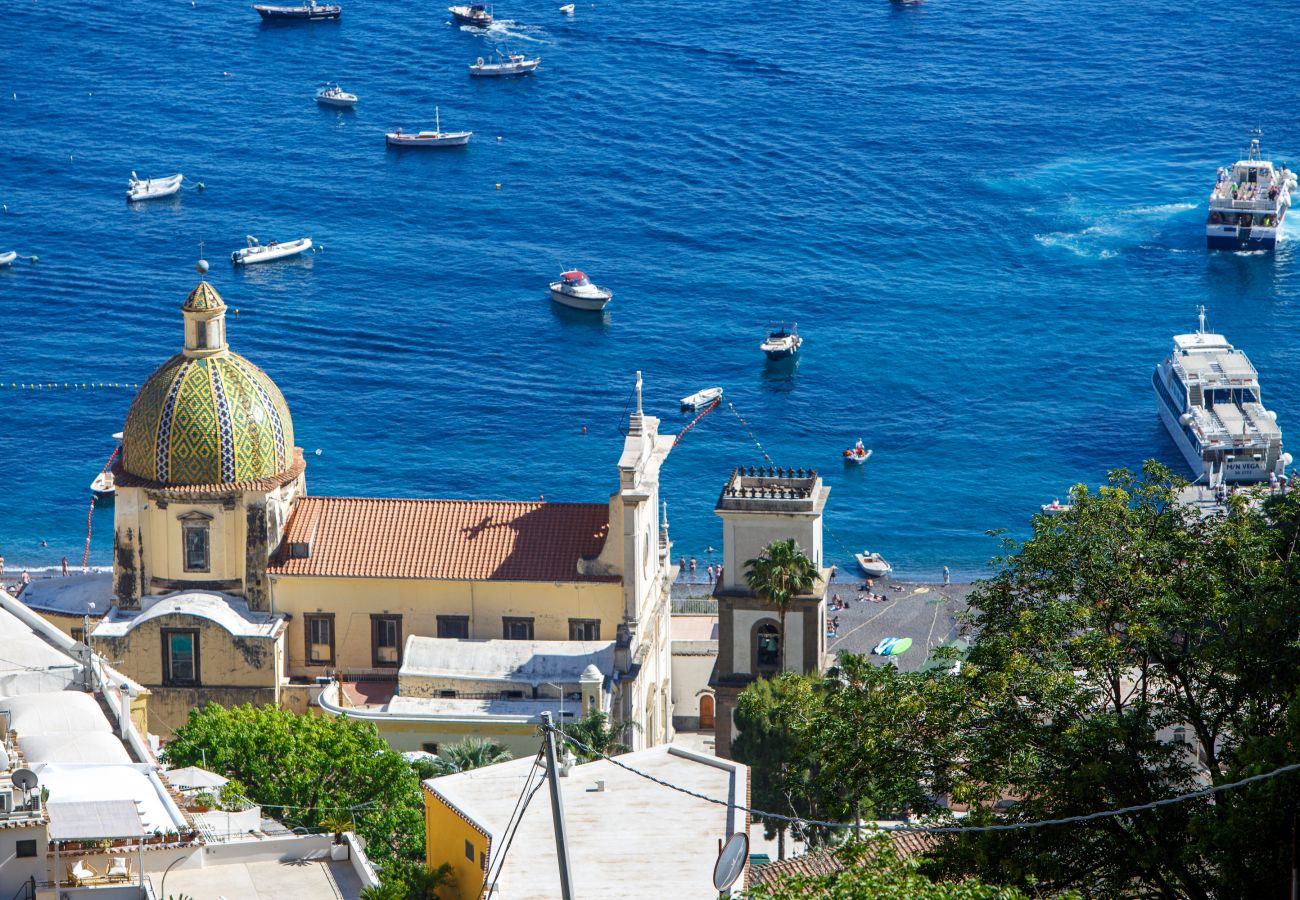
<point x="275" y="880"/>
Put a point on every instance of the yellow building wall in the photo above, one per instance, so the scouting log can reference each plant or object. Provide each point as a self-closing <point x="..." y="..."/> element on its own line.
<point x="419" y="602"/>
<point x="446" y="835"/>
<point x="164" y="553"/>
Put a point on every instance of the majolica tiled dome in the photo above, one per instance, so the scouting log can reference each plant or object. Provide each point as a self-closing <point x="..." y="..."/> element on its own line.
<point x="207" y="417"/>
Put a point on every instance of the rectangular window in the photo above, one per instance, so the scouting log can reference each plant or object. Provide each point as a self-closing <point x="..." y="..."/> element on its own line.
<point x="180" y="657"/>
<point x="25" y="848"/>
<point x="453" y="627"/>
<point x="386" y="641"/>
<point x="516" y="629"/>
<point x="430" y="748"/>
<point x="320" y="638"/>
<point x="196" y="546"/>
<point x="584" y="629"/>
<point x="469" y="851"/>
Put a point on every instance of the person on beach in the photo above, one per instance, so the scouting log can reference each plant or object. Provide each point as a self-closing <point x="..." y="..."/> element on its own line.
<point x="946" y="579"/>
<point x="832" y="571"/>
<point x="692" y="566"/>
<point x="709" y="570"/>
<point x="27" y="579"/>
<point x="65" y="567"/>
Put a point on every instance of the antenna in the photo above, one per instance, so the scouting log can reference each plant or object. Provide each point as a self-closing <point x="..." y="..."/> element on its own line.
<point x="1200" y="318"/>
<point x="25" y="779"/>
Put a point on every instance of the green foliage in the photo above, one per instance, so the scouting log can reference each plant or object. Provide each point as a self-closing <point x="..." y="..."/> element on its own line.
<point x="872" y="871"/>
<point x="470" y="753"/>
<point x="782" y="573"/>
<point x="597" y="732"/>
<point x="385" y="890"/>
<point x="402" y="879"/>
<point x="305" y="767"/>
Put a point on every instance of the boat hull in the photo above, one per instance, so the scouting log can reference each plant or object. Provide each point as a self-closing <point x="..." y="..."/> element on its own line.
<point x="337" y="104"/>
<point x="457" y="140"/>
<point x="873" y="568"/>
<point x="781" y="354"/>
<point x="590" y="304"/>
<point x="1233" y="472"/>
<point x="497" y="71"/>
<point x="298" y="15"/>
<point x="1230" y="237"/>
<point x="477" y="22"/>
<point x="7" y="259"/>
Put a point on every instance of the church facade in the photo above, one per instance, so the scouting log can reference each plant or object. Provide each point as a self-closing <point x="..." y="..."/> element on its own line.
<point x="231" y="583"/>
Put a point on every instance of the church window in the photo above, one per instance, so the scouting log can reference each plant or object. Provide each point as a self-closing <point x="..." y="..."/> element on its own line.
<point x="584" y="629"/>
<point x="767" y="652"/>
<point x="197" y="557"/>
<point x="180" y="657"/>
<point x="453" y="627"/>
<point x="386" y="641"/>
<point x="516" y="629"/>
<point x="320" y="638"/>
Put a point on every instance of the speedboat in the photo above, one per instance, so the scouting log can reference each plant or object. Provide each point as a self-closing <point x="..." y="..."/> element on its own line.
<point x="873" y="564"/>
<point x="575" y="289"/>
<point x="435" y="138"/>
<point x="471" y="14"/>
<point x="514" y="64"/>
<point x="701" y="398"/>
<point x="8" y="258"/>
<point x="857" y="454"/>
<point x="152" y="188"/>
<point x="1209" y="399"/>
<point x="782" y="342"/>
<point x="333" y="95"/>
<point x="259" y="253"/>
<point x="103" y="487"/>
<point x="1056" y="507"/>
<point x="309" y="11"/>
<point x="1248" y="203"/>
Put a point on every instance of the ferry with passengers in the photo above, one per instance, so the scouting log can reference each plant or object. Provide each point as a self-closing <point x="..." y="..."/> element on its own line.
<point x="1249" y="202"/>
<point x="1208" y="395"/>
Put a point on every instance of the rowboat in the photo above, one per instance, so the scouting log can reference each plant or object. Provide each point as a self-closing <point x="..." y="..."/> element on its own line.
<point x="701" y="398"/>
<point x="875" y="565"/>
<point x="152" y="188"/>
<point x="103" y="486"/>
<point x="514" y="64"/>
<point x="257" y="252"/>
<point x="310" y="11"/>
<point x="435" y="138"/>
<point x="8" y="258"/>
<point x="857" y="454"/>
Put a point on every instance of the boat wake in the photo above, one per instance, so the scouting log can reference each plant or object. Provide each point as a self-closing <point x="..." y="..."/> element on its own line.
<point x="507" y="28"/>
<point x="1134" y="228"/>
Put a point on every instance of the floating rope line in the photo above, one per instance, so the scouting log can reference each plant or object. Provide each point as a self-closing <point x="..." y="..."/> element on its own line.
<point x="90" y="514"/>
<point x="748" y="430"/>
<point x="691" y="424"/>
<point x="67" y="385"/>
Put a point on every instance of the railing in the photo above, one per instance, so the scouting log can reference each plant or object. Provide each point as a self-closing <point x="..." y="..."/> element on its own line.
<point x="702" y="606"/>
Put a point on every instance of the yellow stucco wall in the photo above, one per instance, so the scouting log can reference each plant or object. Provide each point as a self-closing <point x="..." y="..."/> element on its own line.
<point x="447" y="833"/>
<point x="405" y="734"/>
<point x="420" y="602"/>
<point x="157" y="531"/>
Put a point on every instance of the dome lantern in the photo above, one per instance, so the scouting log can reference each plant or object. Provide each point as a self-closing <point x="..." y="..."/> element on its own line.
<point x="205" y="319"/>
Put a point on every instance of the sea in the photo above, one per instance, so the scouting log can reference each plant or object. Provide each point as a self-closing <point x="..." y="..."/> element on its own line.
<point x="986" y="219"/>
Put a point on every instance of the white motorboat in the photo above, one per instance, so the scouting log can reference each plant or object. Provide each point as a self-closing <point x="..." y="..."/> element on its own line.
<point x="1208" y="395"/>
<point x="311" y="11"/>
<point x="256" y="252"/>
<point x="1248" y="203"/>
<point x="1056" y="507"/>
<point x="152" y="188"/>
<point x="567" y="9"/>
<point x="782" y="342"/>
<point x="513" y="64"/>
<point x="333" y="95"/>
<point x="575" y="289"/>
<point x="103" y="487"/>
<point x="472" y="14"/>
<point x="8" y="258"/>
<point x="873" y="564"/>
<point x="857" y="454"/>
<point x="435" y="138"/>
<point x="701" y="398"/>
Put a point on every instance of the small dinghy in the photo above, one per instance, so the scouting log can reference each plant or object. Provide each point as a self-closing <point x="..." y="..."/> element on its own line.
<point x="103" y="487"/>
<point x="514" y="64"/>
<point x="471" y="14"/>
<point x="257" y="252"/>
<point x="701" y="398"/>
<point x="152" y="188"/>
<point x="8" y="258"/>
<point x="435" y="138"/>
<point x="333" y="95"/>
<point x="875" y="565"/>
<point x="857" y="454"/>
<point x="1055" y="508"/>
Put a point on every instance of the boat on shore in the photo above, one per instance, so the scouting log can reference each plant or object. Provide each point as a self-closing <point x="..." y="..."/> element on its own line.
<point x="152" y="188"/>
<point x="472" y="14"/>
<point x="332" y="95"/>
<point x="435" y="138"/>
<point x="311" y="11"/>
<point x="575" y="289"/>
<point x="701" y="398"/>
<point x="1248" y="203"/>
<point x="7" y="259"/>
<point x="512" y="64"/>
<point x="1208" y="396"/>
<point x="783" y="341"/>
<point x="873" y="564"/>
<point x="857" y="454"/>
<point x="256" y="252"/>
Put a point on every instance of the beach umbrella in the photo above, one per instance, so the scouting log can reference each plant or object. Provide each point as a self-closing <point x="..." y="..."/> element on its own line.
<point x="194" y="777"/>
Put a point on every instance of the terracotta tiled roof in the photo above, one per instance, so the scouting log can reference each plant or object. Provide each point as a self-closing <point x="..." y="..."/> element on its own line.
<point x="824" y="862"/>
<point x="501" y="540"/>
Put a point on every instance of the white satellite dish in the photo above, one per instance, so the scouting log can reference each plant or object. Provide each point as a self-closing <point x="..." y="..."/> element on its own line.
<point x="731" y="861"/>
<point x="25" y="779"/>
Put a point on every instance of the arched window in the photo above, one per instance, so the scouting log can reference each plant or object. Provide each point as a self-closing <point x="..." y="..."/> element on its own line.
<point x="767" y="647"/>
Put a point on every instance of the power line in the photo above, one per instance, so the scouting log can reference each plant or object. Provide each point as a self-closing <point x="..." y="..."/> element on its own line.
<point x="509" y="832"/>
<point x="945" y="829"/>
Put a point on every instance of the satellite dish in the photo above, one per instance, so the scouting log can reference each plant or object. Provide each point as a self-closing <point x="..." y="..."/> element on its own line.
<point x="731" y="861"/>
<point x="25" y="779"/>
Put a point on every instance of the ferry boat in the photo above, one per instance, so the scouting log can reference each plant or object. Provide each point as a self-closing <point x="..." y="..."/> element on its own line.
<point x="1208" y="395"/>
<point x="575" y="289"/>
<point x="782" y="342"/>
<point x="310" y="11"/>
<point x="1248" y="203"/>
<point x="471" y="14"/>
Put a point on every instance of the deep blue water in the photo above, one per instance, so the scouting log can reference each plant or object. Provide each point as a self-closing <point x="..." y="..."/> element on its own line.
<point x="985" y="217"/>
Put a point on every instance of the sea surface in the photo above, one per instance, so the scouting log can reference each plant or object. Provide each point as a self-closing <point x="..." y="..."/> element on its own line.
<point x="986" y="218"/>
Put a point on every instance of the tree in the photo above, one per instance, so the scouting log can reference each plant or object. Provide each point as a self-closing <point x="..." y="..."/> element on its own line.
<point x="595" y="731"/>
<point x="780" y="574"/>
<point x="470" y="753"/>
<point x="306" y="767"/>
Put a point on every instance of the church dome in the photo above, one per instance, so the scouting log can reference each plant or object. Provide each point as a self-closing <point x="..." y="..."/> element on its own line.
<point x="207" y="416"/>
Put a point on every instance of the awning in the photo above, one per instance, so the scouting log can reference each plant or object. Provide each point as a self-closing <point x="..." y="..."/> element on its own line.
<point x="74" y="820"/>
<point x="194" y="777"/>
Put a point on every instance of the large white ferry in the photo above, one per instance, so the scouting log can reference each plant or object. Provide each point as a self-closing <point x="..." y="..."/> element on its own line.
<point x="1248" y="203"/>
<point x="1208" y="395"/>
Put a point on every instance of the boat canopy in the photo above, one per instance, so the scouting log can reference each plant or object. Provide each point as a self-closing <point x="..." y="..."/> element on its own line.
<point x="574" y="276"/>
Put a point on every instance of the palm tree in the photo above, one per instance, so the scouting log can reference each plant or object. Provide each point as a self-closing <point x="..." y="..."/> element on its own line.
<point x="782" y="573"/>
<point x="471" y="753"/>
<point x="424" y="884"/>
<point x="595" y="731"/>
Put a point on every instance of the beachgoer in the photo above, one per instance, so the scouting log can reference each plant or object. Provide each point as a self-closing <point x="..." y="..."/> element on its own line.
<point x="946" y="578"/>
<point x="832" y="571"/>
<point x="709" y="569"/>
<point x="719" y="571"/>
<point x="44" y="542"/>
<point x="65" y="567"/>
<point x="681" y="564"/>
<point x="835" y="600"/>
<point x="692" y="565"/>
<point x="27" y="579"/>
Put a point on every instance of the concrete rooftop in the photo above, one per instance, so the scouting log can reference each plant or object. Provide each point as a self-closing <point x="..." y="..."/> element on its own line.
<point x="270" y="880"/>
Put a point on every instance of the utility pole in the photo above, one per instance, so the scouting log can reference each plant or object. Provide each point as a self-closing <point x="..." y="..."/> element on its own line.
<point x="557" y="811"/>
